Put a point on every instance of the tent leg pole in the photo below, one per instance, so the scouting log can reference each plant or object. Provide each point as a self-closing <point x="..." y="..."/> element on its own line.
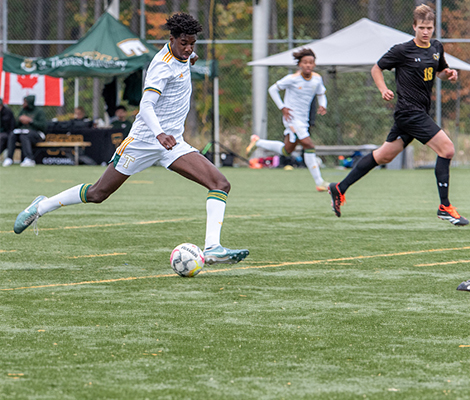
<point x="76" y="92"/>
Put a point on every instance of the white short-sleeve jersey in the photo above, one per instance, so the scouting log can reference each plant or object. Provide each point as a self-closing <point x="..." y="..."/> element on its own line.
<point x="300" y="93"/>
<point x="170" y="77"/>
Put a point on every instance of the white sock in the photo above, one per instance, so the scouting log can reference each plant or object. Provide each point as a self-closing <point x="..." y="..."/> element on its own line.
<point x="215" y="207"/>
<point x="272" y="145"/>
<point x="75" y="195"/>
<point x="312" y="165"/>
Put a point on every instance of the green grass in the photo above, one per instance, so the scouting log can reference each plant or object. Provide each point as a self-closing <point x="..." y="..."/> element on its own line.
<point x="362" y="306"/>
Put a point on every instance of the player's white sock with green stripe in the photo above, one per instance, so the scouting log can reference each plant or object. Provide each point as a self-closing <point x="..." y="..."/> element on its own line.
<point x="75" y="195"/>
<point x="272" y="145"/>
<point x="311" y="162"/>
<point x="215" y="207"/>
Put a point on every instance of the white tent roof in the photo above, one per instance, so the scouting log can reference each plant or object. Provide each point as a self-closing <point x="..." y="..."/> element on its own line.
<point x="354" y="48"/>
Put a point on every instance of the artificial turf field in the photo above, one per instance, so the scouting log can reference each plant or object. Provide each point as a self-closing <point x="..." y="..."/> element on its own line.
<point x="362" y="306"/>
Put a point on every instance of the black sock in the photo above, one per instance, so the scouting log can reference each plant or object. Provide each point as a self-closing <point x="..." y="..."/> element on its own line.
<point x="442" y="175"/>
<point x="364" y="165"/>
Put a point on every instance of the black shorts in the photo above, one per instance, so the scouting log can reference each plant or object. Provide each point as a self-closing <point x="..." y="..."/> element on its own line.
<point x="411" y="125"/>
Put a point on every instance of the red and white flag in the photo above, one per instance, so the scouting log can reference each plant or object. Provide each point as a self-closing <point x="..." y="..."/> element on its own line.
<point x="14" y="88"/>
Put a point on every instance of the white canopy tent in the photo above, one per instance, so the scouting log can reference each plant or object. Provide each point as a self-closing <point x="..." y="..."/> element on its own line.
<point x="354" y="48"/>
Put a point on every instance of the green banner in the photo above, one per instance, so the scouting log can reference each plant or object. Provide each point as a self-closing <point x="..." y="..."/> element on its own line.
<point x="108" y="49"/>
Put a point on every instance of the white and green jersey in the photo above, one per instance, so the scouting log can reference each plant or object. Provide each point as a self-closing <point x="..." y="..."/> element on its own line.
<point x="300" y="93"/>
<point x="170" y="78"/>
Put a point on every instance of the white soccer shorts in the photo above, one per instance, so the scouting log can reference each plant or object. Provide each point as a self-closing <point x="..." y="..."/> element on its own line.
<point x="295" y="130"/>
<point x="134" y="155"/>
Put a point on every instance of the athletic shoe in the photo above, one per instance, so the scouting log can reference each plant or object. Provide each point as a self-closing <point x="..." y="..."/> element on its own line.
<point x="7" y="162"/>
<point x="28" y="216"/>
<point x="323" y="187"/>
<point x="464" y="286"/>
<point x="222" y="255"/>
<point x="337" y="199"/>
<point x="27" y="162"/>
<point x="252" y="146"/>
<point x="450" y="214"/>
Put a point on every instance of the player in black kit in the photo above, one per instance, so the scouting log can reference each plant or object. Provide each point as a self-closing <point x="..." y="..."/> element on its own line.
<point x="416" y="64"/>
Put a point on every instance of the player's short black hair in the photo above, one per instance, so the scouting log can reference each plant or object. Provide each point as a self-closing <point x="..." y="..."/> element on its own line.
<point x="181" y="23"/>
<point x="303" y="52"/>
<point x="121" y="108"/>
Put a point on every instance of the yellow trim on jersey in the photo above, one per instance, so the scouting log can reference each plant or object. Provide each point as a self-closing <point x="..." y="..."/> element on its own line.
<point x="176" y="58"/>
<point x="422" y="47"/>
<point x="167" y="57"/>
<point x="123" y="145"/>
<point x="151" y="89"/>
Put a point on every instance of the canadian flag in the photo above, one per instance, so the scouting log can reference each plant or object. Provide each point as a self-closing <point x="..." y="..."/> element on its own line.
<point x="14" y="88"/>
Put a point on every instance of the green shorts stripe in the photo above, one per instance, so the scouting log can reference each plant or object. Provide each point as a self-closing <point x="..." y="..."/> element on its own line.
<point x="115" y="159"/>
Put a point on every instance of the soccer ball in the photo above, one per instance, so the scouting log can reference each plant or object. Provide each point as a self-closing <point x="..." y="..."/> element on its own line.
<point x="187" y="259"/>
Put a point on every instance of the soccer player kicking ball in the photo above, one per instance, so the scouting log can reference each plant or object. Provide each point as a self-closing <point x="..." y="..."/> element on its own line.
<point x="301" y="89"/>
<point x="157" y="136"/>
<point x="416" y="64"/>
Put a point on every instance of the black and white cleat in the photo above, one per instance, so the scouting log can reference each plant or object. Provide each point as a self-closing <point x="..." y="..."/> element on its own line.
<point x="464" y="286"/>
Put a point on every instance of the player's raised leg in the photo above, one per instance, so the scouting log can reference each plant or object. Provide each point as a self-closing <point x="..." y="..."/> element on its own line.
<point x="275" y="146"/>
<point x="444" y="149"/>
<point x="252" y="146"/>
<point x="198" y="169"/>
<point x="108" y="183"/>
<point x="383" y="155"/>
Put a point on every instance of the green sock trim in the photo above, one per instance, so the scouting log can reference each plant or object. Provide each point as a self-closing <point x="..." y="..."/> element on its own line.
<point x="83" y="192"/>
<point x="310" y="151"/>
<point x="284" y="152"/>
<point x="217" y="195"/>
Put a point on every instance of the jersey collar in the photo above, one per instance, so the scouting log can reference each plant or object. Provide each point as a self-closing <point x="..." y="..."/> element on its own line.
<point x="176" y="58"/>
<point x="422" y="47"/>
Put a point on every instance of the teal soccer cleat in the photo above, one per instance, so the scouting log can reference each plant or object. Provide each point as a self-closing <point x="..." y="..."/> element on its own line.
<point x="222" y="255"/>
<point x="28" y="216"/>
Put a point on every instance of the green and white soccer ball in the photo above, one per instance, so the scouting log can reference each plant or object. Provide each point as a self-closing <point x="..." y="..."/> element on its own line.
<point x="187" y="260"/>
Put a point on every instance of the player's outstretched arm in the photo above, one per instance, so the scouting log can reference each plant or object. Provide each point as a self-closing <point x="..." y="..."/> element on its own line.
<point x="167" y="141"/>
<point x="275" y="95"/>
<point x="322" y="102"/>
<point x="147" y="106"/>
<point x="379" y="80"/>
<point x="193" y="58"/>
<point x="448" y="74"/>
